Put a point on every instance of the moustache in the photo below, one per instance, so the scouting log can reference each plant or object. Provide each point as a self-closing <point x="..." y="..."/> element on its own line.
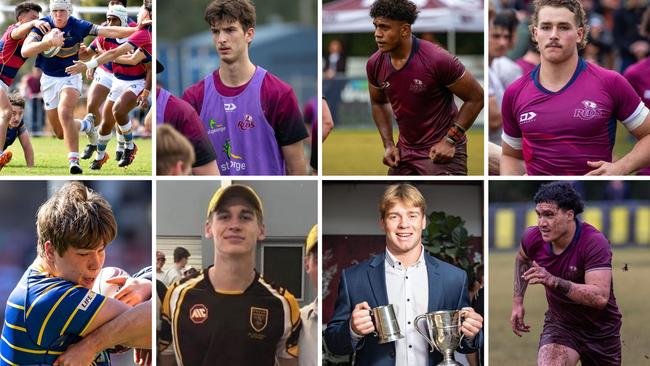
<point x="553" y="44"/>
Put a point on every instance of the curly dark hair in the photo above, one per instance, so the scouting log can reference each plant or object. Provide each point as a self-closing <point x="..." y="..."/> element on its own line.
<point x="561" y="193"/>
<point x="403" y="10"/>
<point x="574" y="6"/>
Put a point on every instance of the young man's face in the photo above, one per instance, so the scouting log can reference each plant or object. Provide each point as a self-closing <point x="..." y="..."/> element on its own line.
<point x="234" y="228"/>
<point x="80" y="266"/>
<point x="389" y="33"/>
<point x="113" y="21"/>
<point x="311" y="267"/>
<point x="231" y="40"/>
<point x="160" y="262"/>
<point x="116" y="2"/>
<point x="16" y="116"/>
<point x="552" y="221"/>
<point x="28" y="16"/>
<point x="557" y="34"/>
<point x="403" y="226"/>
<point x="60" y="18"/>
<point x="499" y="41"/>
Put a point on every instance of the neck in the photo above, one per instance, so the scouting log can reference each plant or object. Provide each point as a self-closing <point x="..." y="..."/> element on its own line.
<point x="400" y="55"/>
<point x="407" y="258"/>
<point x="563" y="242"/>
<point x="531" y="57"/>
<point x="41" y="262"/>
<point x="178" y="266"/>
<point x="554" y="76"/>
<point x="231" y="273"/>
<point x="236" y="74"/>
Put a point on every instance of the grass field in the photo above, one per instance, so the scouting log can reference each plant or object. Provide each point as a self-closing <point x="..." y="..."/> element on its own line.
<point x="632" y="296"/>
<point x="360" y="152"/>
<point x="50" y="158"/>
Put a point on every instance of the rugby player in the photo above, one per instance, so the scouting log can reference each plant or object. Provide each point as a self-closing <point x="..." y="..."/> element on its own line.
<point x="416" y="80"/>
<point x="17" y="129"/>
<point x="11" y="60"/>
<point x="231" y="315"/>
<point x="252" y="117"/>
<point x="561" y="118"/>
<point x="573" y="261"/>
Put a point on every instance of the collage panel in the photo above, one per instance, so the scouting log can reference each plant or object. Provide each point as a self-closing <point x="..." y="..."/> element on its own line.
<point x="561" y="78"/>
<point x="403" y="83"/>
<point x="567" y="259"/>
<point x="240" y="83"/>
<point x="236" y="272"/>
<point x="74" y="88"/>
<point x="402" y="272"/>
<point x="76" y="266"/>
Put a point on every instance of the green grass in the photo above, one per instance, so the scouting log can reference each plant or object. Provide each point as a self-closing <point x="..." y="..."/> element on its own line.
<point x="359" y="152"/>
<point x="632" y="295"/>
<point x="50" y="158"/>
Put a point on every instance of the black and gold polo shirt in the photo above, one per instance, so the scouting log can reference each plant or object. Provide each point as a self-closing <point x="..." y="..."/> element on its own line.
<point x="252" y="327"/>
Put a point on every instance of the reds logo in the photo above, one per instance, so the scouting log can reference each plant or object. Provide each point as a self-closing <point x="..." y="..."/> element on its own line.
<point x="247" y="123"/>
<point x="417" y="86"/>
<point x="198" y="314"/>
<point x="590" y="111"/>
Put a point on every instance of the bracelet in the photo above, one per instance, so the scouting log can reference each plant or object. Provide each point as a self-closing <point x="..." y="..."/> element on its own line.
<point x="456" y="134"/>
<point x="92" y="64"/>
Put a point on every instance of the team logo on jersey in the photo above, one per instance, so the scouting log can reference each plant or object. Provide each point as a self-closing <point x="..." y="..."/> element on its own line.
<point x="247" y="123"/>
<point x="590" y="111"/>
<point x="527" y="117"/>
<point x="215" y="127"/>
<point x="385" y="85"/>
<point x="198" y="313"/>
<point x="417" y="86"/>
<point x="232" y="164"/>
<point x="229" y="107"/>
<point x="259" y="318"/>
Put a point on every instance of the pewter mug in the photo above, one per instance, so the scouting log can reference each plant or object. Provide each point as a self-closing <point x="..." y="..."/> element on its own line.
<point x="386" y="326"/>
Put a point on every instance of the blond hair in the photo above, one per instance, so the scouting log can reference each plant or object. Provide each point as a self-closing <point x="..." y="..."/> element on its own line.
<point x="171" y="147"/>
<point x="75" y="216"/>
<point x="404" y="193"/>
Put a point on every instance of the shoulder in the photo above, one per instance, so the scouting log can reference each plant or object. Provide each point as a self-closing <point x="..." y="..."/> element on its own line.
<point x="274" y="86"/>
<point x="593" y="235"/>
<point x="602" y="74"/>
<point x="361" y="267"/>
<point x="444" y="267"/>
<point x="530" y="237"/>
<point x="283" y="294"/>
<point x="374" y="58"/>
<point x="518" y="86"/>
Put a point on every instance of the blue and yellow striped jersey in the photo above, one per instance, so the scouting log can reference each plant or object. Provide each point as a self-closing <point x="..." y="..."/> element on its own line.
<point x="43" y="316"/>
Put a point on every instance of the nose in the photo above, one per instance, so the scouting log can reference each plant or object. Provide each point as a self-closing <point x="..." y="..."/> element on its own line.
<point x="95" y="261"/>
<point x="554" y="33"/>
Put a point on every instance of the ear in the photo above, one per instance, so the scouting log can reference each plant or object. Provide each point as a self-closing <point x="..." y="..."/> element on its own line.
<point x="177" y="169"/>
<point x="249" y="35"/>
<point x="424" y="220"/>
<point x="207" y="229"/>
<point x="406" y="30"/>
<point x="534" y="35"/>
<point x="581" y="34"/>
<point x="262" y="233"/>
<point x="49" y="251"/>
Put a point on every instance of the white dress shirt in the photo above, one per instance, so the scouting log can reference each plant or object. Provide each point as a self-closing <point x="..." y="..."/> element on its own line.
<point x="308" y="339"/>
<point x="408" y="291"/>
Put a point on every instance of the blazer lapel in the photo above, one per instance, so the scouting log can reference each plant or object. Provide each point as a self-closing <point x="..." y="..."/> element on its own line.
<point x="436" y="287"/>
<point x="377" y="279"/>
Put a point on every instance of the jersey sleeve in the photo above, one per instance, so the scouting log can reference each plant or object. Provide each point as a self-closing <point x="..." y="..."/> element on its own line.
<point x="599" y="255"/>
<point x="185" y="120"/>
<point x="447" y="68"/>
<point x="511" y="131"/>
<point x="630" y="109"/>
<point x="194" y="95"/>
<point x="282" y="111"/>
<point x="528" y="241"/>
<point x="60" y="309"/>
<point x="288" y="344"/>
<point x="371" y="71"/>
<point x="21" y="128"/>
<point x="86" y="28"/>
<point x="141" y="40"/>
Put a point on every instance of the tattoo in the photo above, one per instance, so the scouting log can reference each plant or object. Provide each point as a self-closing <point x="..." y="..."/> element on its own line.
<point x="562" y="285"/>
<point x="520" y="268"/>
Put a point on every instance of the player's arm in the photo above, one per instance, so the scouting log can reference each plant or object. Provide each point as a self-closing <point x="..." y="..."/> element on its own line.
<point x="512" y="160"/>
<point x="115" y="32"/>
<point x="471" y="93"/>
<point x="26" y="143"/>
<point x="328" y="121"/>
<point x="206" y="169"/>
<point x="103" y="58"/>
<point x="294" y="157"/>
<point x="37" y="42"/>
<point x="636" y="159"/>
<point x="23" y="30"/>
<point x="522" y="264"/>
<point x="131" y="328"/>
<point x="132" y="58"/>
<point x="382" y="115"/>
<point x="494" y="114"/>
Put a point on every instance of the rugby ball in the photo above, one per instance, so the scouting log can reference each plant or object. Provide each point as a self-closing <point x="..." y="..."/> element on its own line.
<point x="52" y="51"/>
<point x="107" y="289"/>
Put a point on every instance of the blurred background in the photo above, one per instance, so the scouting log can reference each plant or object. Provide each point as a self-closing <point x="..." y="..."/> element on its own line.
<point x="621" y="211"/>
<point x="20" y="200"/>
<point x="352" y="234"/>
<point x="354" y="146"/>
<point x="285" y="43"/>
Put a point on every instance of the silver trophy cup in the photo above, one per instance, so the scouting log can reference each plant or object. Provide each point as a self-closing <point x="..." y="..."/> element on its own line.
<point x="443" y="328"/>
<point x="386" y="326"/>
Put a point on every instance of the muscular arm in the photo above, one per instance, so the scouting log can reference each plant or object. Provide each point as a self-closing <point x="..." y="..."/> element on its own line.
<point x="23" y="30"/>
<point x="471" y="93"/>
<point x="636" y="159"/>
<point x="294" y="156"/>
<point x="594" y="293"/>
<point x="33" y="46"/>
<point x="522" y="264"/>
<point x="512" y="161"/>
<point x="494" y="116"/>
<point x="26" y="143"/>
<point x="131" y="59"/>
<point x="116" y="32"/>
<point x="381" y="114"/>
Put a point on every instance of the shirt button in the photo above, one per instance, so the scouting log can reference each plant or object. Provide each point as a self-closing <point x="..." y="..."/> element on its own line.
<point x="407" y="277"/>
<point x="410" y="346"/>
<point x="408" y="299"/>
<point x="409" y="323"/>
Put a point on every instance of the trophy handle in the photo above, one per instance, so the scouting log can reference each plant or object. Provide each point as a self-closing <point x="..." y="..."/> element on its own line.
<point x="415" y="322"/>
<point x="461" y="318"/>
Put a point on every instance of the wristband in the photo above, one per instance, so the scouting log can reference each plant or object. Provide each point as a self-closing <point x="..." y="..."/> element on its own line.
<point x="456" y="134"/>
<point x="92" y="64"/>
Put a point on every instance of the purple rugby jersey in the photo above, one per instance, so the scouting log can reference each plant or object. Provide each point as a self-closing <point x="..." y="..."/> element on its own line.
<point x="423" y="105"/>
<point x="639" y="77"/>
<point x="588" y="251"/>
<point x="558" y="132"/>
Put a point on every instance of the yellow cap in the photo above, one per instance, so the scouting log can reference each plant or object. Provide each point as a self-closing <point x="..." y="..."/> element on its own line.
<point x="312" y="239"/>
<point x="237" y="190"/>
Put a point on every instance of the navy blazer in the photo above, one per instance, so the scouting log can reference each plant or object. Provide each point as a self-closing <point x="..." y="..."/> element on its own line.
<point x="366" y="281"/>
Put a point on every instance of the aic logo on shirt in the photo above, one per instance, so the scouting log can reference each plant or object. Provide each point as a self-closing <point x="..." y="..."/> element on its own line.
<point x="198" y="313"/>
<point x="215" y="127"/>
<point x="590" y="111"/>
<point x="527" y="117"/>
<point x="229" y="107"/>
